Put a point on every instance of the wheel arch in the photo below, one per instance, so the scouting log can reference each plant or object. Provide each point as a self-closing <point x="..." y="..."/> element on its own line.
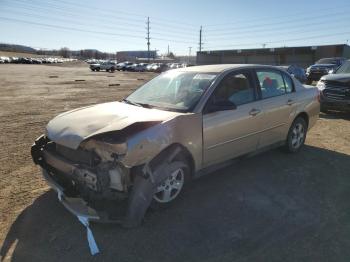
<point x="304" y="116"/>
<point x="174" y="151"/>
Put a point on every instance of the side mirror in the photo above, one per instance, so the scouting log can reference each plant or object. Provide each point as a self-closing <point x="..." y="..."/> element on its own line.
<point x="220" y="105"/>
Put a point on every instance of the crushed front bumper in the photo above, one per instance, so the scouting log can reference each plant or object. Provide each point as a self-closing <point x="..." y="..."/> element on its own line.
<point x="129" y="212"/>
<point x="77" y="206"/>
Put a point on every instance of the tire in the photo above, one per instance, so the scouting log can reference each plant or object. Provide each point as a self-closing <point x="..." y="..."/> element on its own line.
<point x="171" y="189"/>
<point x="98" y="69"/>
<point x="93" y="70"/>
<point x="296" y="135"/>
<point x="112" y="70"/>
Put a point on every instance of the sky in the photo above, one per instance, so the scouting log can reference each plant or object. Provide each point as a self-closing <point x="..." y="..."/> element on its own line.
<point x="114" y="25"/>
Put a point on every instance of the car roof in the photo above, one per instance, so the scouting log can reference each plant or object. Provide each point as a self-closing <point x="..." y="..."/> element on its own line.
<point x="221" y="68"/>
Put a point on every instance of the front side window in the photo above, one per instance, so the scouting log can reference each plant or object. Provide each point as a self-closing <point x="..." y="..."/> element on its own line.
<point x="236" y="88"/>
<point x="175" y="91"/>
<point x="271" y="83"/>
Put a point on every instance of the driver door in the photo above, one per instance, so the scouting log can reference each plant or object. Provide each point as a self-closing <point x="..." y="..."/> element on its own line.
<point x="230" y="133"/>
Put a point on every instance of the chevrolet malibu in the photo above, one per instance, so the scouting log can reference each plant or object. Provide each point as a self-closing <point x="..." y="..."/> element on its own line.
<point x="113" y="161"/>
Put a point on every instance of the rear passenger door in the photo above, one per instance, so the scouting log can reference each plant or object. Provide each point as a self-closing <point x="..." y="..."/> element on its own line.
<point x="278" y="104"/>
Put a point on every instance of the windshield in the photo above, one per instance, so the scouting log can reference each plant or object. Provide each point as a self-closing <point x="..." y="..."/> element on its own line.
<point x="173" y="90"/>
<point x="344" y="69"/>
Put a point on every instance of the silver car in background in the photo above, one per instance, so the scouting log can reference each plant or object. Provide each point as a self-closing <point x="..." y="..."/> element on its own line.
<point x="112" y="161"/>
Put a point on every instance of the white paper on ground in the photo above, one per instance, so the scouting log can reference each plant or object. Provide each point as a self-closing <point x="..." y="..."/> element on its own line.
<point x="59" y="195"/>
<point x="92" y="243"/>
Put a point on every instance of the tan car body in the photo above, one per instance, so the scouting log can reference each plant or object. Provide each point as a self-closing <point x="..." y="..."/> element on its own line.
<point x="207" y="139"/>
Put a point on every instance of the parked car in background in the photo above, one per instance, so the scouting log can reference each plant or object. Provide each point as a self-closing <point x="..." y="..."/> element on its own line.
<point x="159" y="67"/>
<point x="323" y="67"/>
<point x="108" y="66"/>
<point x="123" y="66"/>
<point x="149" y="67"/>
<point x="335" y="89"/>
<point x="4" y="60"/>
<point x="296" y="71"/>
<point x="144" y="150"/>
<point x="141" y="67"/>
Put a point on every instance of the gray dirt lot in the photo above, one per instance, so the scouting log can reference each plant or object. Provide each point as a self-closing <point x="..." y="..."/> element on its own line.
<point x="272" y="207"/>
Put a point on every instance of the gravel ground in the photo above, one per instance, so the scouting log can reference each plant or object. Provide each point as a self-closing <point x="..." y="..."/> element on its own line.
<point x="270" y="207"/>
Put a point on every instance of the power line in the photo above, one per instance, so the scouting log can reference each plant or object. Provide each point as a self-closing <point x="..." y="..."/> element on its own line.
<point x="288" y="40"/>
<point x="114" y="27"/>
<point x="233" y="29"/>
<point x="93" y="11"/>
<point x="274" y="31"/>
<point x="114" y="12"/>
<point x="31" y="15"/>
<point x="82" y="30"/>
<point x="159" y="27"/>
<point x="295" y="14"/>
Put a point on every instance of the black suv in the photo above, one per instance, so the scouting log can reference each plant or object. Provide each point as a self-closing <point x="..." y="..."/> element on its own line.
<point x="335" y="89"/>
<point x="323" y="67"/>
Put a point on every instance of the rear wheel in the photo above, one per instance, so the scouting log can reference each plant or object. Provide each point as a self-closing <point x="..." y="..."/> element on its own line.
<point x="97" y="69"/>
<point x="296" y="135"/>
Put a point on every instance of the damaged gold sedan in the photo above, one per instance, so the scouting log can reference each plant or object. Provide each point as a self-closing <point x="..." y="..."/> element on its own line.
<point x="112" y="161"/>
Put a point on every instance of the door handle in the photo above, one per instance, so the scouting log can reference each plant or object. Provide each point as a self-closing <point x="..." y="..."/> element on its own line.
<point x="290" y="102"/>
<point x="254" y="112"/>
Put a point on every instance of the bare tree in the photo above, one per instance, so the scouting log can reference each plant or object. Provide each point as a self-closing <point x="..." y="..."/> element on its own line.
<point x="64" y="52"/>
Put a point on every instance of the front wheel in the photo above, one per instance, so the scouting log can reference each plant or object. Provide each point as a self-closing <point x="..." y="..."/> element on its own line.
<point x="172" y="187"/>
<point x="296" y="135"/>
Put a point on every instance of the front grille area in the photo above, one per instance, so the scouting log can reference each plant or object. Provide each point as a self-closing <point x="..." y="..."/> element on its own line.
<point x="78" y="156"/>
<point x="336" y="91"/>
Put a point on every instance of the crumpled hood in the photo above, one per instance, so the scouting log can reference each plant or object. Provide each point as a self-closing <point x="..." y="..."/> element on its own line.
<point x="72" y="127"/>
<point x="343" y="78"/>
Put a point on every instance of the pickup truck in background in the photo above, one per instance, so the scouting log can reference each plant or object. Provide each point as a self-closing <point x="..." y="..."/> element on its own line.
<point x="108" y="66"/>
<point x="323" y="67"/>
<point x="335" y="89"/>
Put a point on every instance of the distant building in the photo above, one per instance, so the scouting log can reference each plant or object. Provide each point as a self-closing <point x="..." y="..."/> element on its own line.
<point x="302" y="56"/>
<point x="134" y="55"/>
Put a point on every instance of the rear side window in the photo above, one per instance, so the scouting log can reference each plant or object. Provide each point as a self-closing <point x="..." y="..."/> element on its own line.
<point x="271" y="83"/>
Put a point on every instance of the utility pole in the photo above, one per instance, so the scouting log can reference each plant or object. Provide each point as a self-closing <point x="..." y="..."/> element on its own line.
<point x="148" y="39"/>
<point x="189" y="53"/>
<point x="168" y="51"/>
<point x="200" y="39"/>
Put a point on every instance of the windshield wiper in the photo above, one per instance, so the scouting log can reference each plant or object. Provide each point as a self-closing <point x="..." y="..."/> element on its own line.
<point x="137" y="104"/>
<point x="131" y="103"/>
